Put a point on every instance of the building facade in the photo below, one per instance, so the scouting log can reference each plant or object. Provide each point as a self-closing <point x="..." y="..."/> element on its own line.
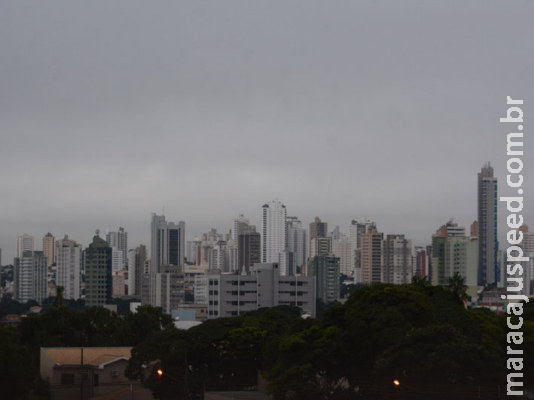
<point x="69" y="271"/>
<point x="273" y="231"/>
<point x="30" y="276"/>
<point x="233" y="295"/>
<point x="98" y="273"/>
<point x="325" y="270"/>
<point x="488" y="271"/>
<point x="49" y="246"/>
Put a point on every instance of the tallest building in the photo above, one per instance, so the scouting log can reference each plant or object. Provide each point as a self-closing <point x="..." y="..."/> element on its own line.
<point x="488" y="244"/>
<point x="273" y="231"/>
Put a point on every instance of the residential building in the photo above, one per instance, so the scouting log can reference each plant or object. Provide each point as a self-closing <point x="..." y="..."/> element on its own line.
<point x="30" y="276"/>
<point x="318" y="229"/>
<point x="325" y="270"/>
<point x="421" y="262"/>
<point x="24" y="243"/>
<point x="166" y="289"/>
<point x="320" y="246"/>
<point x="98" y="272"/>
<point x="119" y="241"/>
<point x="49" y="245"/>
<point x="167" y="243"/>
<point x="89" y="373"/>
<point x="68" y="266"/>
<point x="273" y="231"/>
<point x="342" y="248"/>
<point x="249" y="251"/>
<point x="488" y="271"/>
<point x="453" y="252"/>
<point x="136" y="263"/>
<point x="297" y="242"/>
<point x="371" y="255"/>
<point x="232" y="295"/>
<point x="398" y="260"/>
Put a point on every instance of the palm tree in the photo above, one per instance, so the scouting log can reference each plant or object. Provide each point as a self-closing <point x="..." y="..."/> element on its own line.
<point x="458" y="288"/>
<point x="59" y="301"/>
<point x="418" y="281"/>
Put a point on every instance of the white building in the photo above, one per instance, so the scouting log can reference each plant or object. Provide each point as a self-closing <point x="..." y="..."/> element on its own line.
<point x="167" y="243"/>
<point x="24" y="243"/>
<point x="68" y="262"/>
<point x="119" y="241"/>
<point x="233" y="295"/>
<point x="398" y="260"/>
<point x="343" y="249"/>
<point x="30" y="273"/>
<point x="273" y="231"/>
<point x="297" y="240"/>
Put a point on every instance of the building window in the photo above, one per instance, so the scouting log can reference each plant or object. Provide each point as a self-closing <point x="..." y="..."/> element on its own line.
<point x="67" y="379"/>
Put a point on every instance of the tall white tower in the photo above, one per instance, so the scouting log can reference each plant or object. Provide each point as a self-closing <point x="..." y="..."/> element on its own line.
<point x="69" y="256"/>
<point x="24" y="243"/>
<point x="273" y="231"/>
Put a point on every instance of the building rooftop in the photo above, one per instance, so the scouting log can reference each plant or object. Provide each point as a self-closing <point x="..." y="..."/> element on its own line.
<point x="94" y="356"/>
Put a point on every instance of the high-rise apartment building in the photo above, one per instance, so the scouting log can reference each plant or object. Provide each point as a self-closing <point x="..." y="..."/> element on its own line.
<point x="398" y="260"/>
<point x="421" y="262"/>
<point x="318" y="229"/>
<point x="342" y="248"/>
<point x="119" y="241"/>
<point x="136" y="264"/>
<point x="98" y="273"/>
<point x="24" y="243"/>
<point x="49" y="245"/>
<point x="249" y="251"/>
<point x="68" y="262"/>
<point x="297" y="241"/>
<point x="488" y="271"/>
<point x="167" y="243"/>
<point x="30" y="276"/>
<point x="326" y="271"/>
<point x="371" y="256"/>
<point x="453" y="252"/>
<point x="241" y="225"/>
<point x="164" y="289"/>
<point x="273" y="231"/>
<point x="320" y="246"/>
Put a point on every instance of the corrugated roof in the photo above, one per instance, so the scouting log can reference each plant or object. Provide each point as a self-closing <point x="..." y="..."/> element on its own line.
<point x="94" y="356"/>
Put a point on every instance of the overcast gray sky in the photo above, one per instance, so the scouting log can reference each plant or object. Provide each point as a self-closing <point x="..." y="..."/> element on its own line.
<point x="110" y="110"/>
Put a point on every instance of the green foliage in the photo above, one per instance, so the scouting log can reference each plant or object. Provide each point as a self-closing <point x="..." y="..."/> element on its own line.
<point x="14" y="371"/>
<point x="419" y="334"/>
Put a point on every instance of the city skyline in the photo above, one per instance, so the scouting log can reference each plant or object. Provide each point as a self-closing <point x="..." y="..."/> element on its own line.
<point x="343" y="111"/>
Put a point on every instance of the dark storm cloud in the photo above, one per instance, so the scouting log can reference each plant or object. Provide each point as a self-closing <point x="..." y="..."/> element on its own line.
<point x="377" y="109"/>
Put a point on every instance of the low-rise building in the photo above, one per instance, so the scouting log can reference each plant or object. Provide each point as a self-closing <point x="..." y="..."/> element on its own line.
<point x="89" y="372"/>
<point x="232" y="295"/>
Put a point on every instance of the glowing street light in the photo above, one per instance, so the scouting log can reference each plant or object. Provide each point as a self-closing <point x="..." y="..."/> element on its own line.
<point x="160" y="372"/>
<point x="396" y="382"/>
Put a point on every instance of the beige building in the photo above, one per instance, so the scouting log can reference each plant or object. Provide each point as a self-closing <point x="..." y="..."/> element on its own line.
<point x="89" y="372"/>
<point x="49" y="245"/>
<point x="371" y="256"/>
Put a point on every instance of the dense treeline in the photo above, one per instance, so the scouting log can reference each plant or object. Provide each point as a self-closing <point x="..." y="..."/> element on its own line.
<point x="420" y="335"/>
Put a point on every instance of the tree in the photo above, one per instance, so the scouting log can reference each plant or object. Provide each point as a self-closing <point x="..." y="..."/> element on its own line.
<point x="458" y="288"/>
<point x="59" y="300"/>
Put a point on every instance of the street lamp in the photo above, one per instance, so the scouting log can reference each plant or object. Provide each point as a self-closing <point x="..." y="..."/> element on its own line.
<point x="396" y="383"/>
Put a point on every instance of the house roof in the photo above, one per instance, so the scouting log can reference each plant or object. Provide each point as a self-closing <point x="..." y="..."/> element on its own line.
<point x="92" y="356"/>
